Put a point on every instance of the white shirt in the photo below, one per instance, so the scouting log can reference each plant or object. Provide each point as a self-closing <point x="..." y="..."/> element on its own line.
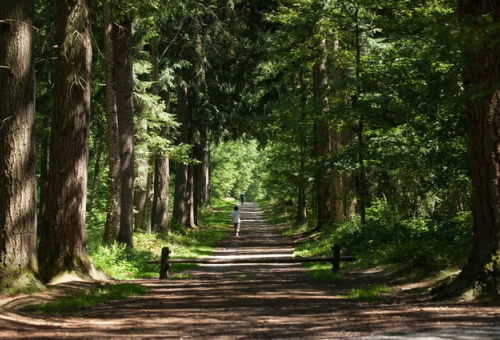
<point x="236" y="216"/>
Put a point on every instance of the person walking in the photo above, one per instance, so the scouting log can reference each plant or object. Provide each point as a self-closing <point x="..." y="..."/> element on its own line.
<point x="242" y="197"/>
<point x="236" y="217"/>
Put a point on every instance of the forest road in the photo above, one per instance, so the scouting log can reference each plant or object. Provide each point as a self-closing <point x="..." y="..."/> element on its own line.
<point x="261" y="301"/>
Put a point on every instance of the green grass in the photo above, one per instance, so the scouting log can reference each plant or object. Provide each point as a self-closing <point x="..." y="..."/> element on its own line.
<point x="321" y="271"/>
<point x="90" y="297"/>
<point x="124" y="263"/>
<point x="371" y="293"/>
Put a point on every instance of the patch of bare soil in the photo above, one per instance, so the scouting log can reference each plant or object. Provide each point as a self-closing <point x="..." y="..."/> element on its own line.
<point x="258" y="301"/>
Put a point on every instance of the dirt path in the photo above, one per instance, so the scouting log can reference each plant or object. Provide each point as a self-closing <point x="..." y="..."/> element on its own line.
<point x="273" y="301"/>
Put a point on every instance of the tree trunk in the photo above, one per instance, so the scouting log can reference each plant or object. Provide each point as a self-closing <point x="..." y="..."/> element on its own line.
<point x="181" y="210"/>
<point x="361" y="182"/>
<point x="17" y="142"/>
<point x="325" y="190"/>
<point x="62" y="248"/>
<point x="192" y="201"/>
<point x="97" y="154"/>
<point x="204" y="175"/>
<point x="44" y="175"/>
<point x="112" y="227"/>
<point x="159" y="214"/>
<point x="481" y="76"/>
<point x="160" y="201"/>
<point x="143" y="177"/>
<point x="123" y="74"/>
<point x="301" y="192"/>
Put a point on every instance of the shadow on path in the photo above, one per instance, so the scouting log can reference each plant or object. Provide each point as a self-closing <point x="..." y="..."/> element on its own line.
<point x="257" y="301"/>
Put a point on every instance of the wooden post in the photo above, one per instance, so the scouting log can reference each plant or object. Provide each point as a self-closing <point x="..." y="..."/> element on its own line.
<point x="336" y="258"/>
<point x="164" y="265"/>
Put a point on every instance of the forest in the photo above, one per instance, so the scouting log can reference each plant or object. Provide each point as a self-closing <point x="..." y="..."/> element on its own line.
<point x="374" y="123"/>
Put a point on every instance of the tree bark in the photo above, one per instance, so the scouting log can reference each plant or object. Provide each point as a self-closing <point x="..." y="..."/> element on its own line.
<point x="143" y="178"/>
<point x="204" y="174"/>
<point x="301" y="191"/>
<point x="325" y="190"/>
<point x="361" y="177"/>
<point x="481" y="76"/>
<point x="160" y="215"/>
<point x="112" y="227"/>
<point x="96" y="152"/>
<point x="44" y="175"/>
<point x="62" y="248"/>
<point x="181" y="209"/>
<point x="17" y="141"/>
<point x="123" y="74"/>
<point x="160" y="202"/>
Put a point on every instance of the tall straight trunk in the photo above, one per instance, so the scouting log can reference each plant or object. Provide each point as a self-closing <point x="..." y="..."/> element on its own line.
<point x="204" y="174"/>
<point x="361" y="177"/>
<point x="146" y="160"/>
<point x="301" y="191"/>
<point x="160" y="202"/>
<point x="180" y="213"/>
<point x="112" y="226"/>
<point x="123" y="74"/>
<point x="62" y="248"/>
<point x="159" y="214"/>
<point x="181" y="209"/>
<point x="341" y="137"/>
<point x="17" y="141"/>
<point x="96" y="152"/>
<point x="192" y="198"/>
<point x="481" y="76"/>
<point x="44" y="175"/>
<point x="184" y="202"/>
<point x="143" y="177"/>
<point x="325" y="191"/>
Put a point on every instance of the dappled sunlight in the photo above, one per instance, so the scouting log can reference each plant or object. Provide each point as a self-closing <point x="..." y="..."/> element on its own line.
<point x="255" y="301"/>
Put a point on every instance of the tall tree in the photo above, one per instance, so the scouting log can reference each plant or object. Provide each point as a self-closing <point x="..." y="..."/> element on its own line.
<point x="112" y="227"/>
<point x="181" y="209"/>
<point x="124" y="81"/>
<point x="302" y="186"/>
<point x="203" y="191"/>
<point x="62" y="247"/>
<point x="159" y="210"/>
<point x="17" y="143"/>
<point x="324" y="134"/>
<point x="480" y="27"/>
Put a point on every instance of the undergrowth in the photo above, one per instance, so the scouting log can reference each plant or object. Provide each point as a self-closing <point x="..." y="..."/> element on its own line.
<point x="424" y="245"/>
<point x="121" y="262"/>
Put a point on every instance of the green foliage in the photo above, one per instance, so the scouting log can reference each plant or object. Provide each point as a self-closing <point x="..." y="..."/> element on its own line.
<point x="235" y="168"/>
<point x="419" y="243"/>
<point x="121" y="262"/>
<point x="90" y="297"/>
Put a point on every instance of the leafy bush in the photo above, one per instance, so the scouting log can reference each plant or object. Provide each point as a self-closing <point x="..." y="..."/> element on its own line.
<point x="121" y="262"/>
<point x="442" y="242"/>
